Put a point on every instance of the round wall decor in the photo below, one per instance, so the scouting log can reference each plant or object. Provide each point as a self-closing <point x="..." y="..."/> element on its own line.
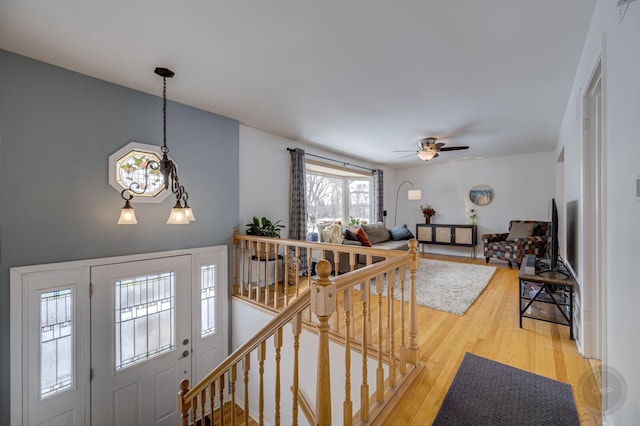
<point x="481" y="195"/>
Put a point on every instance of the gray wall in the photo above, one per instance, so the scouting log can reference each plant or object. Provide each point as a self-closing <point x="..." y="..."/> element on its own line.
<point x="57" y="130"/>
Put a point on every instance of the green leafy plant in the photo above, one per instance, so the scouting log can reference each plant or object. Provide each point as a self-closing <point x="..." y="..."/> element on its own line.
<point x="264" y="227"/>
<point x="353" y="221"/>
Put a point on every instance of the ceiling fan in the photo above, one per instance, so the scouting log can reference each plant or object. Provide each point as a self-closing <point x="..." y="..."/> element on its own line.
<point x="428" y="148"/>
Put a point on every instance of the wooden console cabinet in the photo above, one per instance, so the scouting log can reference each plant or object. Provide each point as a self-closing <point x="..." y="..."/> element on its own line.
<point x="451" y="235"/>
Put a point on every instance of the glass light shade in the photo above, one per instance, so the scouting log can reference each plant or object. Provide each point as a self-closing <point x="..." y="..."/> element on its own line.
<point x="189" y="212"/>
<point x="426" y="155"/>
<point x="127" y="215"/>
<point x="415" y="194"/>
<point x="178" y="216"/>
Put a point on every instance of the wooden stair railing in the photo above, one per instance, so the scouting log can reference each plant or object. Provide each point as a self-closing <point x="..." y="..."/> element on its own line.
<point x="361" y="328"/>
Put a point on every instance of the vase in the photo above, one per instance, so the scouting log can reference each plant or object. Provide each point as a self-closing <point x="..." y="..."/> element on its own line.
<point x="427" y="219"/>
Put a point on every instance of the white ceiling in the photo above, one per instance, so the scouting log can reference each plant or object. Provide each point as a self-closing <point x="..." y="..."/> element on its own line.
<point x="359" y="77"/>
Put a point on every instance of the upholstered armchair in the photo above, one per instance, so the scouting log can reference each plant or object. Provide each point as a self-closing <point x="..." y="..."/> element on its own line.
<point x="524" y="237"/>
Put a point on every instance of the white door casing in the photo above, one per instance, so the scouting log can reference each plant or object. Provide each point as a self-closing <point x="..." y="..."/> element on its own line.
<point x="71" y="405"/>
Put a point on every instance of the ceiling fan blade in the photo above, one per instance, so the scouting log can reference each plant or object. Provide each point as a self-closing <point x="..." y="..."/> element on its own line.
<point x="405" y="156"/>
<point x="454" y="148"/>
<point x="439" y="145"/>
<point x="437" y="155"/>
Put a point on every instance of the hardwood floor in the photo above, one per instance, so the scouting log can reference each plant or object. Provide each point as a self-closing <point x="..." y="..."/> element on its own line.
<point x="490" y="329"/>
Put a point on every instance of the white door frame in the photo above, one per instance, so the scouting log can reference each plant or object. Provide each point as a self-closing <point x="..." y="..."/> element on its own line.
<point x="594" y="254"/>
<point x="19" y="323"/>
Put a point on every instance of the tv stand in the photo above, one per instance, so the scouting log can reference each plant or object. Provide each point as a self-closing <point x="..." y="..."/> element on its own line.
<point x="546" y="295"/>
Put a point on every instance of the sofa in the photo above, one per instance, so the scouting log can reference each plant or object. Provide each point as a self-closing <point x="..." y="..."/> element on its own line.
<point x="375" y="235"/>
<point x="524" y="237"/>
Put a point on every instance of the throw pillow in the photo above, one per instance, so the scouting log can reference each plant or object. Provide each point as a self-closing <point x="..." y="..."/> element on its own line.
<point x="348" y="234"/>
<point x="400" y="233"/>
<point x="362" y="236"/>
<point x="520" y="230"/>
<point x="377" y="232"/>
<point x="333" y="234"/>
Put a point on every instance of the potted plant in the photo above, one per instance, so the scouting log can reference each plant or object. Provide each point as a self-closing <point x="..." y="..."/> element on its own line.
<point x="264" y="227"/>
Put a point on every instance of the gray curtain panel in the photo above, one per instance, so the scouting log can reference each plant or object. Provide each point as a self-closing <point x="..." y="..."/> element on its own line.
<point x="298" y="203"/>
<point x="378" y="196"/>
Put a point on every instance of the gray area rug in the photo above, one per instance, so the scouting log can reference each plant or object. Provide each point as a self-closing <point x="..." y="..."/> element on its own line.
<point x="448" y="286"/>
<point x="486" y="392"/>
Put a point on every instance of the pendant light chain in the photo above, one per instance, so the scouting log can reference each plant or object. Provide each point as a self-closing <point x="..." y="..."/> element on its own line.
<point x="181" y="213"/>
<point x="165" y="149"/>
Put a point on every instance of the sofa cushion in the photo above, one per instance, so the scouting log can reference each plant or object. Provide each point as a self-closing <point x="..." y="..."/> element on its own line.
<point x="377" y="232"/>
<point x="520" y="230"/>
<point x="348" y="234"/>
<point x="332" y="234"/>
<point x="362" y="236"/>
<point x="400" y="233"/>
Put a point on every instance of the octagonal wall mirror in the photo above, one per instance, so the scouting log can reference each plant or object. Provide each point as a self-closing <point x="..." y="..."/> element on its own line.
<point x="481" y="195"/>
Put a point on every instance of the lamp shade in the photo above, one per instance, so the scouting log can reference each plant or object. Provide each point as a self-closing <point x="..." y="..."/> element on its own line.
<point x="415" y="194"/>
<point x="427" y="155"/>
<point x="178" y="216"/>
<point x="127" y="215"/>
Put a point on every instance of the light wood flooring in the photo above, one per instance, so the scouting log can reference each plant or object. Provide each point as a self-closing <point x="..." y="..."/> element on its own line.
<point x="490" y="329"/>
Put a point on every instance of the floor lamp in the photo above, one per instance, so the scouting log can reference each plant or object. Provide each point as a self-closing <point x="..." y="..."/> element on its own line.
<point x="413" y="195"/>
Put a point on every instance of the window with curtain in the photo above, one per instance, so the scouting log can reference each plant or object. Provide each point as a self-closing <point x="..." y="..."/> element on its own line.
<point x="338" y="194"/>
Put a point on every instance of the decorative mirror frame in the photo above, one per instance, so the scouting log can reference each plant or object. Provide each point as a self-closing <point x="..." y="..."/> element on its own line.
<point x="481" y="195"/>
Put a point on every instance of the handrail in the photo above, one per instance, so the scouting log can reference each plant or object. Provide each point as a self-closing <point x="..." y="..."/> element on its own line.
<point x="385" y="268"/>
<point x="320" y="246"/>
<point x="298" y="305"/>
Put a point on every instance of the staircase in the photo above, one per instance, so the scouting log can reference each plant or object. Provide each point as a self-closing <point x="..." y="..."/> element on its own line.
<point x="341" y="341"/>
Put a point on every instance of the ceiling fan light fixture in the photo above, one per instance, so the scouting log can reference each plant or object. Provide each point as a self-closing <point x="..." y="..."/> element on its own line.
<point x="426" y="155"/>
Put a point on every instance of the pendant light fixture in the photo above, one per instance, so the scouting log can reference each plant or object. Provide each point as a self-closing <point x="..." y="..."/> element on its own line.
<point x="181" y="213"/>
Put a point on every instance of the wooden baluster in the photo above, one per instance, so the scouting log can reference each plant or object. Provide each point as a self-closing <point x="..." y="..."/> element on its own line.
<point x="352" y="261"/>
<point x="194" y="409"/>
<point x="266" y="273"/>
<point x="369" y="316"/>
<point x="246" y="365"/>
<point x="276" y="252"/>
<point x="259" y="274"/>
<point x="277" y="343"/>
<point x="203" y="405"/>
<point x="234" y="377"/>
<point x="234" y="272"/>
<point x="262" y="352"/>
<point x="251" y="251"/>
<point x="183" y="406"/>
<point x="403" y="347"/>
<point x="364" y="387"/>
<point x="221" y="393"/>
<point x="296" y="323"/>
<point x="243" y="274"/>
<point x="336" y="262"/>
<point x="347" y="406"/>
<point x="323" y="303"/>
<point x="391" y="289"/>
<point x="412" y="348"/>
<point x="379" y="370"/>
<point x="285" y="279"/>
<point x="212" y="401"/>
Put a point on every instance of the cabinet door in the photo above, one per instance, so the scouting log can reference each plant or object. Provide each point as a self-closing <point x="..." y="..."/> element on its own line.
<point x="443" y="234"/>
<point x="464" y="236"/>
<point x="425" y="233"/>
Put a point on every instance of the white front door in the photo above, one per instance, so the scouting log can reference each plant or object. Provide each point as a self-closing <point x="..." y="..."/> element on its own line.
<point x="140" y="340"/>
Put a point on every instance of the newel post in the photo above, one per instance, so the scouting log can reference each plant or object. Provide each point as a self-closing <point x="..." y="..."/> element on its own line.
<point x="323" y="305"/>
<point x="412" y="346"/>
<point x="183" y="405"/>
